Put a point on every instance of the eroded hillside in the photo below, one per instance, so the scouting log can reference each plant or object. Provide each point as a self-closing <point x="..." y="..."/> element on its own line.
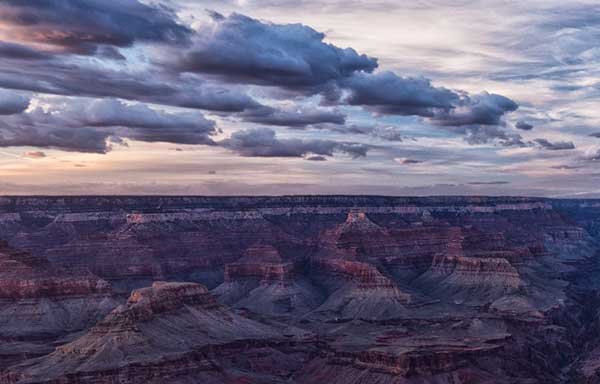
<point x="306" y="289"/>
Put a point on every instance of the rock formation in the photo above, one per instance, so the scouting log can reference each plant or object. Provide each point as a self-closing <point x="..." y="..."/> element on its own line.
<point x="299" y="289"/>
<point x="40" y="303"/>
<point x="176" y="328"/>
<point x="262" y="281"/>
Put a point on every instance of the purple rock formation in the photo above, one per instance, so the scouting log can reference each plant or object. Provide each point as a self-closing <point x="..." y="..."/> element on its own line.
<point x="301" y="289"/>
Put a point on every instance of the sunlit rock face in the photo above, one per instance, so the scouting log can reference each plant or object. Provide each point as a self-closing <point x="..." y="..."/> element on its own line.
<point x="299" y="290"/>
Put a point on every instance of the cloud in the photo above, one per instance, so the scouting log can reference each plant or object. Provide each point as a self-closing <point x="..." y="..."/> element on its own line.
<point x="380" y="131"/>
<point x="596" y="135"/>
<point x="12" y="103"/>
<point x="555" y="146"/>
<point x="489" y="182"/>
<point x="21" y="52"/>
<point x="316" y="158"/>
<point x="67" y="139"/>
<point x="140" y="122"/>
<point x="35" y="154"/>
<point x="241" y="49"/>
<point x="110" y="52"/>
<point x="483" y="134"/>
<point x="482" y="109"/>
<point x="263" y="142"/>
<point x="477" y="116"/>
<point x="406" y="161"/>
<point x="83" y="25"/>
<point x="388" y="93"/>
<point x="524" y="126"/>
<point x="296" y="118"/>
<point x="94" y="126"/>
<point x="593" y="156"/>
<point x="54" y="77"/>
<point x="566" y="167"/>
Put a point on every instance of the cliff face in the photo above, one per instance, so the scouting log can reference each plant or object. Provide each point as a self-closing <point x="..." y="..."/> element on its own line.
<point x="23" y="276"/>
<point x="262" y="281"/>
<point x="40" y="303"/>
<point x="177" y="327"/>
<point x="298" y="289"/>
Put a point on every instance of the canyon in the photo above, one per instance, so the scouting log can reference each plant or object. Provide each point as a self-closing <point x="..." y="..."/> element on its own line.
<point x="299" y="289"/>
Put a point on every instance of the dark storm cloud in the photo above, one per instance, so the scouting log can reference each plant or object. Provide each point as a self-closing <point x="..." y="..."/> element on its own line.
<point x="555" y="146"/>
<point x="110" y="52"/>
<point x="263" y="142"/>
<point x="241" y="49"/>
<point x="54" y="77"/>
<point x="524" y="126"/>
<point x="28" y="68"/>
<point x="145" y="124"/>
<point x="12" y="103"/>
<point x="596" y="135"/>
<point x="408" y="161"/>
<point x="50" y="136"/>
<point x="389" y="93"/>
<point x="316" y="158"/>
<point x="296" y="118"/>
<point x="21" y="52"/>
<point x="290" y="58"/>
<point x="81" y="25"/>
<point x="87" y="127"/>
<point x="482" y="109"/>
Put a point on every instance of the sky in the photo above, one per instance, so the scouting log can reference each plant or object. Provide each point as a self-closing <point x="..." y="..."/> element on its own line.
<point x="265" y="97"/>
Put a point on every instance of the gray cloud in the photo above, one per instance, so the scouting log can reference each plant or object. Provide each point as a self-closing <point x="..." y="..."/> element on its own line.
<point x="596" y="135"/>
<point x="595" y="156"/>
<point x="385" y="132"/>
<point x="80" y="26"/>
<point x="67" y="139"/>
<point x="482" y="134"/>
<point x="566" y="167"/>
<point x="555" y="146"/>
<point x="482" y="109"/>
<point x="140" y="122"/>
<point x="241" y="49"/>
<point x="55" y="77"/>
<point x="110" y="52"/>
<point x="405" y="161"/>
<point x="524" y="126"/>
<point x="488" y="182"/>
<point x="12" y="103"/>
<point x="389" y="93"/>
<point x="21" y="52"/>
<point x="263" y="142"/>
<point x="296" y="118"/>
<point x="92" y="126"/>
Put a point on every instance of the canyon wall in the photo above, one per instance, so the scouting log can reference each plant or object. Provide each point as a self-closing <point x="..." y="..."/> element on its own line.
<point x="302" y="289"/>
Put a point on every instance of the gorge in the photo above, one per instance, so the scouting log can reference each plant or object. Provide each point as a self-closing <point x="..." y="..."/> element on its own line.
<point x="299" y="289"/>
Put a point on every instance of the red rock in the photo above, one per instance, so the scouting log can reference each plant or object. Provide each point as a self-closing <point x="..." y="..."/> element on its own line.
<point x="338" y="289"/>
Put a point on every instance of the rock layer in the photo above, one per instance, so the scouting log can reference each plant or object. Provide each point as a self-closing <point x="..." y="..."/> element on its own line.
<point x="299" y="289"/>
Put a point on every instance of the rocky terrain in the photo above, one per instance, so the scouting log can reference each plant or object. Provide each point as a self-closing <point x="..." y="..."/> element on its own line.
<point x="299" y="289"/>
